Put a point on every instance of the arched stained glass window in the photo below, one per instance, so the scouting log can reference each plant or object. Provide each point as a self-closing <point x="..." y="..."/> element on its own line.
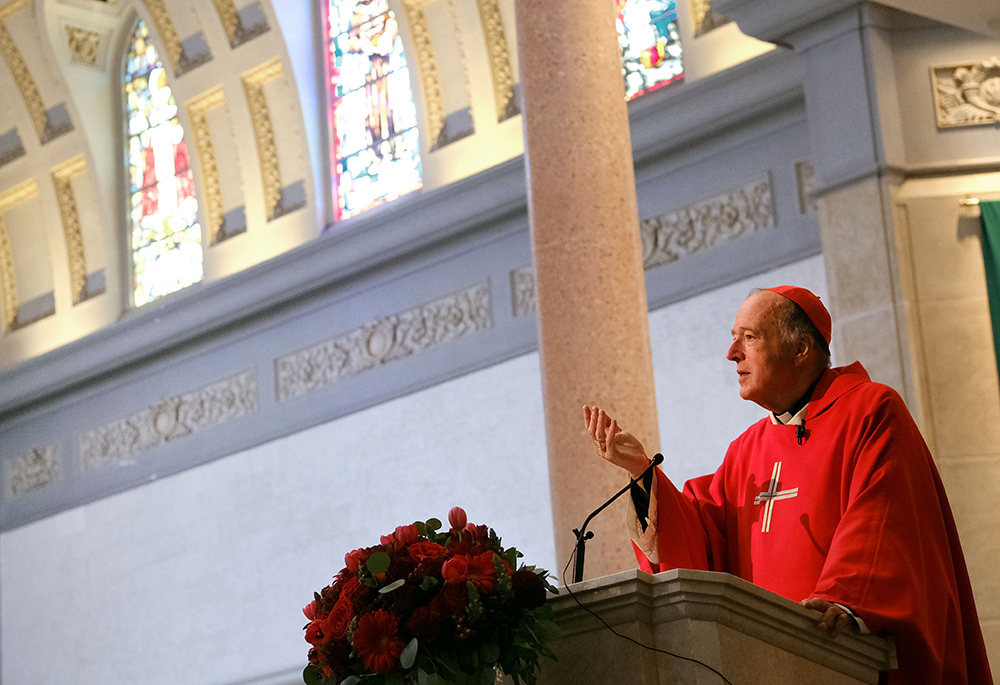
<point x="373" y="122"/>
<point x="165" y="234"/>
<point x="650" y="44"/>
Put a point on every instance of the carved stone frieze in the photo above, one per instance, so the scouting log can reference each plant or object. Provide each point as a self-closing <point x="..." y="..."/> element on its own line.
<point x="430" y="79"/>
<point x="207" y="163"/>
<point x="967" y="94"/>
<point x="169" y="419"/>
<point x="719" y="219"/>
<point x="805" y="179"/>
<point x="499" y="53"/>
<point x="9" y="301"/>
<point x="382" y="341"/>
<point x="84" y="44"/>
<point x="704" y="19"/>
<point x="263" y="131"/>
<point x="33" y="470"/>
<point x="522" y="291"/>
<point x="61" y="177"/>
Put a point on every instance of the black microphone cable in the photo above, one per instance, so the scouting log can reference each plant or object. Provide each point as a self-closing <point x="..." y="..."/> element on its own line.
<point x="590" y="611"/>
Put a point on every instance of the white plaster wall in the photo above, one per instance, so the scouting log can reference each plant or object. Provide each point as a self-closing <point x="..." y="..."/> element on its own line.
<point x="199" y="578"/>
<point x="697" y="393"/>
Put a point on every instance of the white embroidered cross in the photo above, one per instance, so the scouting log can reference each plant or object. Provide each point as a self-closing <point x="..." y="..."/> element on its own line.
<point x="771" y="495"/>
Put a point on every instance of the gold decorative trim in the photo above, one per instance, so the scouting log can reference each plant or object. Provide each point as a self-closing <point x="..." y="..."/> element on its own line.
<point x="430" y="80"/>
<point x="263" y="131"/>
<point x="61" y="177"/>
<point x="229" y="18"/>
<point x="166" y="30"/>
<point x="208" y="164"/>
<point x="25" y="83"/>
<point x="8" y="282"/>
<point x="84" y="44"/>
<point x="499" y="53"/>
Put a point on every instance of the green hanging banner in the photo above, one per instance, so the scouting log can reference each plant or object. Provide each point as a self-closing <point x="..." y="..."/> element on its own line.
<point x="990" y="218"/>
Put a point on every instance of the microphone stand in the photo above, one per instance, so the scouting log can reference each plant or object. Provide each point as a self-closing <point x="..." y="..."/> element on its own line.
<point x="582" y="535"/>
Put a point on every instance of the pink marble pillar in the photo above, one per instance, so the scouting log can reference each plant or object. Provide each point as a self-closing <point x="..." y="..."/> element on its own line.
<point x="593" y="319"/>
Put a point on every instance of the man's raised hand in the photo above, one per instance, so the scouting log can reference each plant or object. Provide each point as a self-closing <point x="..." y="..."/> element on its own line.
<point x="613" y="444"/>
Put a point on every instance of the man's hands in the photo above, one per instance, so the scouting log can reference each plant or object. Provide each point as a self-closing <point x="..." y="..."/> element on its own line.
<point x="834" y="618"/>
<point x="613" y="444"/>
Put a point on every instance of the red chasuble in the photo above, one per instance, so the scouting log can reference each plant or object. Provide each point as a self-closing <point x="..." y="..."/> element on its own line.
<point x="851" y="510"/>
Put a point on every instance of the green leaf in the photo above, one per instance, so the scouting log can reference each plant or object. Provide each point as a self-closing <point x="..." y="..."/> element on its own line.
<point x="547" y="630"/>
<point x="350" y="680"/>
<point x="428" y="583"/>
<point x="394" y="585"/>
<point x="311" y="676"/>
<point x="489" y="653"/>
<point x="433" y="524"/>
<point x="487" y="676"/>
<point x="409" y="654"/>
<point x="378" y="563"/>
<point x="435" y="679"/>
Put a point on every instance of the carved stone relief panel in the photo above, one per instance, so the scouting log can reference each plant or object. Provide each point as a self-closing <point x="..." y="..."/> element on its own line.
<point x="84" y="44"/>
<point x="33" y="470"/>
<point x="722" y="218"/>
<point x="805" y="181"/>
<point x="169" y="419"/>
<point x="383" y="340"/>
<point x="967" y="94"/>
<point x="522" y="291"/>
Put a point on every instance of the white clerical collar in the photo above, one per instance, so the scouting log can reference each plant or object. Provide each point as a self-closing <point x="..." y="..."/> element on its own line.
<point x="787" y="419"/>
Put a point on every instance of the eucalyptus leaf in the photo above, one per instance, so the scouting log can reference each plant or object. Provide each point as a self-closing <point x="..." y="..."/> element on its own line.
<point x="547" y="629"/>
<point x="378" y="563"/>
<point x="433" y="524"/>
<point x="310" y="676"/>
<point x="435" y="679"/>
<point x="409" y="654"/>
<point x="394" y="585"/>
<point x="350" y="680"/>
<point x="428" y="583"/>
<point x="489" y="653"/>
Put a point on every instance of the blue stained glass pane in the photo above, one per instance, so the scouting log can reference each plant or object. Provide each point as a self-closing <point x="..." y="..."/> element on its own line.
<point x="372" y="116"/>
<point x="166" y="236"/>
<point x="650" y="44"/>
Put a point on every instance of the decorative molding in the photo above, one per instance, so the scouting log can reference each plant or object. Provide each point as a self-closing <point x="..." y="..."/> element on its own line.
<point x="704" y="19"/>
<point x="967" y="94"/>
<point x="382" y="341"/>
<point x="499" y="53"/>
<point x="805" y="182"/>
<point x="9" y="301"/>
<point x="169" y="419"/>
<point x="22" y="76"/>
<point x="430" y="80"/>
<point x="522" y="291"/>
<point x="33" y="470"/>
<point x="236" y="32"/>
<point x="172" y="45"/>
<point x="84" y="44"/>
<point x="208" y="165"/>
<point x="263" y="132"/>
<point x="719" y="219"/>
<point x="62" y="176"/>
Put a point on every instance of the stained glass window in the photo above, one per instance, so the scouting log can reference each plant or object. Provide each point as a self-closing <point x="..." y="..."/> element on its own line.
<point x="166" y="236"/>
<point x="373" y="122"/>
<point x="650" y="44"/>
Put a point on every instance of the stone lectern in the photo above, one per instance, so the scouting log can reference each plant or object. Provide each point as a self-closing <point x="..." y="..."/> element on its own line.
<point x="754" y="637"/>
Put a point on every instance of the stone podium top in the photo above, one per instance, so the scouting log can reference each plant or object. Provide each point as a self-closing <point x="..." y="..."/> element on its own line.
<point x="724" y="621"/>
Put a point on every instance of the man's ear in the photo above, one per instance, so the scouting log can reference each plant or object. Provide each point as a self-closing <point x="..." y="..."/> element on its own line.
<point x="804" y="348"/>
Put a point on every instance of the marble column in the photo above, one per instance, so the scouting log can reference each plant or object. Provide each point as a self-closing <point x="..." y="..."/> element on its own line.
<point x="593" y="320"/>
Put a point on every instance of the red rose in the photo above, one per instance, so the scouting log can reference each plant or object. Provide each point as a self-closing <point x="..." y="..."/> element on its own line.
<point x="318" y="633"/>
<point x="425" y="551"/>
<point x="407" y="534"/>
<point x="455" y="570"/>
<point x="340" y="618"/>
<point x="482" y="574"/>
<point x="310" y="610"/>
<point x="457" y="518"/>
<point x="351" y="587"/>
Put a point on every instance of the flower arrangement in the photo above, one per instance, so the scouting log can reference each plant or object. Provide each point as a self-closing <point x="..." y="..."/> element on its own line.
<point x="430" y="607"/>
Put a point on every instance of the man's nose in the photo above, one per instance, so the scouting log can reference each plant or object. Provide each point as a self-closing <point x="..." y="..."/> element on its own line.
<point x="734" y="353"/>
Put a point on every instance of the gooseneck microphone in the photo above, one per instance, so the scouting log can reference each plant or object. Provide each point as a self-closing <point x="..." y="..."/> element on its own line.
<point x="582" y="535"/>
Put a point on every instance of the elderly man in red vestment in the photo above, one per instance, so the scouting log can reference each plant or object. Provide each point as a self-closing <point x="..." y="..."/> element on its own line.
<point x="832" y="500"/>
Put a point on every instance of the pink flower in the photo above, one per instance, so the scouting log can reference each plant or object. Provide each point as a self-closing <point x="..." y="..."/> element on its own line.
<point x="310" y="610"/>
<point x="457" y="518"/>
<point x="353" y="559"/>
<point x="455" y="570"/>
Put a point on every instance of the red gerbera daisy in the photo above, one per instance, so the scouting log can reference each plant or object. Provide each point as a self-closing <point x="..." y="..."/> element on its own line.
<point x="377" y="641"/>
